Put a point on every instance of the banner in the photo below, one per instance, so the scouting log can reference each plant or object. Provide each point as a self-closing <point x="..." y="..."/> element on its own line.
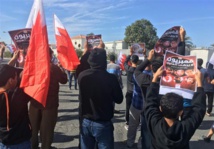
<point x="21" y="40"/>
<point x="168" y="42"/>
<point x="179" y="75"/>
<point x="93" y="41"/>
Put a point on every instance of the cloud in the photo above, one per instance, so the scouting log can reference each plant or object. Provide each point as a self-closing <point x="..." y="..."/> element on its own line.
<point x="187" y="20"/>
<point x="88" y="16"/>
<point x="5" y="18"/>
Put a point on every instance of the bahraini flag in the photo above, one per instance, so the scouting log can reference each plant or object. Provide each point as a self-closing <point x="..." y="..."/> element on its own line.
<point x="66" y="53"/>
<point x="36" y="74"/>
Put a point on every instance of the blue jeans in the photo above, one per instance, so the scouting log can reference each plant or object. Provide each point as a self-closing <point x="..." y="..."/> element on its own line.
<point x="23" y="145"/>
<point x="145" y="135"/>
<point x="97" y="132"/>
<point x="70" y="76"/>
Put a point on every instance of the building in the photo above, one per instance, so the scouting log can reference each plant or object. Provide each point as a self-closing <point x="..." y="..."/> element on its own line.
<point x="110" y="46"/>
<point x="204" y="54"/>
<point x="116" y="46"/>
<point x="78" y="41"/>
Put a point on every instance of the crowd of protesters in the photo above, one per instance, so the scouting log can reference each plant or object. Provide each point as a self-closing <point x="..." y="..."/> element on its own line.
<point x="165" y="120"/>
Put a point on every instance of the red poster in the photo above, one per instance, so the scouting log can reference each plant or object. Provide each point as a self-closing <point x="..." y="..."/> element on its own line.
<point x="179" y="73"/>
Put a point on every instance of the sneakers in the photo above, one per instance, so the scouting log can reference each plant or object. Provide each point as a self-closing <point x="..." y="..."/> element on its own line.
<point x="206" y="139"/>
<point x="208" y="114"/>
<point x="126" y="127"/>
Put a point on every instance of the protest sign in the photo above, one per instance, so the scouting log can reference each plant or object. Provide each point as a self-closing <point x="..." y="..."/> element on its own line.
<point x="168" y="42"/>
<point x="93" y="41"/>
<point x="179" y="75"/>
<point x="139" y="49"/>
<point x="21" y="39"/>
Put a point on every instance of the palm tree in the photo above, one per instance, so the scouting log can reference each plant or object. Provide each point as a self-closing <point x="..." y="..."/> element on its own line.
<point x="212" y="45"/>
<point x="188" y="43"/>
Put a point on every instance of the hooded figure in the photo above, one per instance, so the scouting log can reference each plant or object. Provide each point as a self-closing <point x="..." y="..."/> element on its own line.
<point x="98" y="91"/>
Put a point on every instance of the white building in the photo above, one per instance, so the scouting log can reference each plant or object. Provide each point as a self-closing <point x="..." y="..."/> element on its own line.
<point x="204" y="54"/>
<point x="110" y="46"/>
<point x="78" y="41"/>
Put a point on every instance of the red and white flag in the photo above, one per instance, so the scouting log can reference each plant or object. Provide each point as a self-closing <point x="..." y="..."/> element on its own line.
<point x="121" y="60"/>
<point x="11" y="48"/>
<point x="36" y="74"/>
<point x="67" y="55"/>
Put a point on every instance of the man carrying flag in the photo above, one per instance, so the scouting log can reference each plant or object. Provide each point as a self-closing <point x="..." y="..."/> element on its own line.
<point x="37" y="73"/>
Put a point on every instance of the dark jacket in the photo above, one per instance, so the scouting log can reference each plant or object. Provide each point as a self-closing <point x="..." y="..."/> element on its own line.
<point x="98" y="90"/>
<point x="178" y="135"/>
<point x="83" y="64"/>
<point x="19" y="124"/>
<point x="56" y="77"/>
<point x="141" y="82"/>
<point x="129" y="71"/>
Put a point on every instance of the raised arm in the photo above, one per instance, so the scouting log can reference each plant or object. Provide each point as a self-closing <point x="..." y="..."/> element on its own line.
<point x="152" y="111"/>
<point x="196" y="115"/>
<point x="13" y="60"/>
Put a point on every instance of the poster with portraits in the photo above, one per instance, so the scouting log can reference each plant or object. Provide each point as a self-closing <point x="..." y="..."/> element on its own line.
<point x="179" y="75"/>
<point x="93" y="41"/>
<point x="21" y="40"/>
<point x="169" y="41"/>
<point x="139" y="49"/>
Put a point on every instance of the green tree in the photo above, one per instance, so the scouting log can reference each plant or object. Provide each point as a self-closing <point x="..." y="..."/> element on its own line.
<point x="212" y="45"/>
<point x="90" y="34"/>
<point x="141" y="31"/>
<point x="79" y="52"/>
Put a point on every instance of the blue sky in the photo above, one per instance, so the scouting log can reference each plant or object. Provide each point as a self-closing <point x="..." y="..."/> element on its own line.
<point x="111" y="17"/>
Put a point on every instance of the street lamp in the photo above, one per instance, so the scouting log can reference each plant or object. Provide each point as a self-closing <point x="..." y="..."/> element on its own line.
<point x="10" y="38"/>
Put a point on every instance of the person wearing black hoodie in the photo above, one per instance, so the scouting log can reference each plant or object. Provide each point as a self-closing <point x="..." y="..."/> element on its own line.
<point x="167" y="132"/>
<point x="15" y="128"/>
<point x="98" y="91"/>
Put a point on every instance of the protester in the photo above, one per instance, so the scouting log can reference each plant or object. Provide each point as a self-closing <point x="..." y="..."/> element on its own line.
<point x="209" y="135"/>
<point x="84" y="65"/>
<point x="98" y="91"/>
<point x="114" y="68"/>
<point x="71" y="74"/>
<point x="208" y="75"/>
<point x="15" y="129"/>
<point x="141" y="80"/>
<point x="129" y="71"/>
<point x="43" y="119"/>
<point x="162" y="116"/>
<point x="84" y="59"/>
<point x="2" y="49"/>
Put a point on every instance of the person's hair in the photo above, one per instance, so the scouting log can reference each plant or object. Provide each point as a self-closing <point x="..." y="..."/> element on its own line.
<point x="134" y="59"/>
<point x="200" y="62"/>
<point x="157" y="62"/>
<point x="171" y="104"/>
<point x="6" y="72"/>
<point x="112" y="57"/>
